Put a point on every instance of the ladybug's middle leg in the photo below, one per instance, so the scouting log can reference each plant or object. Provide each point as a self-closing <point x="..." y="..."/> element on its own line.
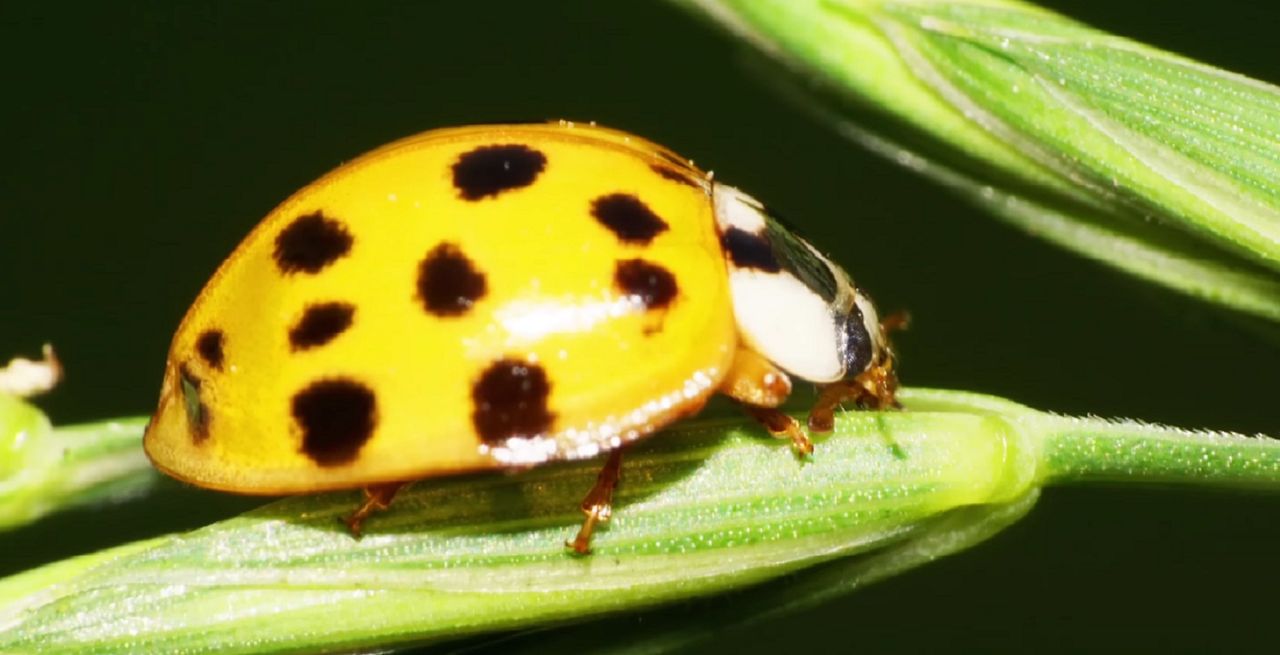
<point x="760" y="387"/>
<point x="376" y="497"/>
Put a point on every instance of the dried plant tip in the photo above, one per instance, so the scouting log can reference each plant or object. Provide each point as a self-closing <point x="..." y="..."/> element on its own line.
<point x="25" y="378"/>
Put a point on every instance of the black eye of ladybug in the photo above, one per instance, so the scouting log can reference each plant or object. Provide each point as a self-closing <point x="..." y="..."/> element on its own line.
<point x="856" y="350"/>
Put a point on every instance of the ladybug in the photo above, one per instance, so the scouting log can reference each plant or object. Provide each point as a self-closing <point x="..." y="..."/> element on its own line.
<point x="497" y="297"/>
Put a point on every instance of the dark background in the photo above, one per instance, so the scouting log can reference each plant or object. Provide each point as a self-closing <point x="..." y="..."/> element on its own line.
<point x="143" y="140"/>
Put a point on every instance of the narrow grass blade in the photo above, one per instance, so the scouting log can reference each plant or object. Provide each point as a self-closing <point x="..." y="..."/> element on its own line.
<point x="1145" y="250"/>
<point x="1183" y="141"/>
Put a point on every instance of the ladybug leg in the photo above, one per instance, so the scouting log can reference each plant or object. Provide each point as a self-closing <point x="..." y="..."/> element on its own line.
<point x="598" y="505"/>
<point x="879" y="386"/>
<point x="822" y="416"/>
<point x="873" y="388"/>
<point x="760" y="387"/>
<point x="781" y="426"/>
<point x="376" y="498"/>
<point x="879" y="382"/>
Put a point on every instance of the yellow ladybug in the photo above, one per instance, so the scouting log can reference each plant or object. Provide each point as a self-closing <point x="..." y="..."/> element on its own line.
<point x="494" y="297"/>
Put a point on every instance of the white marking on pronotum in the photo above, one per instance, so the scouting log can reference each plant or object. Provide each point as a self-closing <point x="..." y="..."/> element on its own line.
<point x="777" y="315"/>
<point x="737" y="209"/>
<point x="781" y="318"/>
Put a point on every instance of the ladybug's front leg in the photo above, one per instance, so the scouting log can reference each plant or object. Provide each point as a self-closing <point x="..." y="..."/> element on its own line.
<point x="761" y="387"/>
<point x="873" y="388"/>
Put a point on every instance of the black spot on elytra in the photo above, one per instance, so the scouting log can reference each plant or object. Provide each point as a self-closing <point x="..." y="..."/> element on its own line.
<point x="654" y="285"/>
<point x="310" y="243"/>
<point x="209" y="347"/>
<point x="197" y="411"/>
<point x="748" y="250"/>
<point x="510" y="401"/>
<point x="628" y="218"/>
<point x="337" y="416"/>
<point x="448" y="283"/>
<point x="490" y="170"/>
<point x="668" y="173"/>
<point x="320" y="324"/>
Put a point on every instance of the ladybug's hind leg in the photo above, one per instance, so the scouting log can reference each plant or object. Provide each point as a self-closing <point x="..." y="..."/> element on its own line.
<point x="598" y="505"/>
<point x="376" y="498"/>
<point x="760" y="387"/>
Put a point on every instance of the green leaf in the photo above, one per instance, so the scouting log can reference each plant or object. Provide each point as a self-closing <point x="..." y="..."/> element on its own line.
<point x="707" y="507"/>
<point x="1149" y="162"/>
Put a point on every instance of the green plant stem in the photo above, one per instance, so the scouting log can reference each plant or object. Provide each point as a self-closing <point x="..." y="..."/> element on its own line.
<point x="45" y="469"/>
<point x="1095" y="450"/>
<point x="709" y="506"/>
